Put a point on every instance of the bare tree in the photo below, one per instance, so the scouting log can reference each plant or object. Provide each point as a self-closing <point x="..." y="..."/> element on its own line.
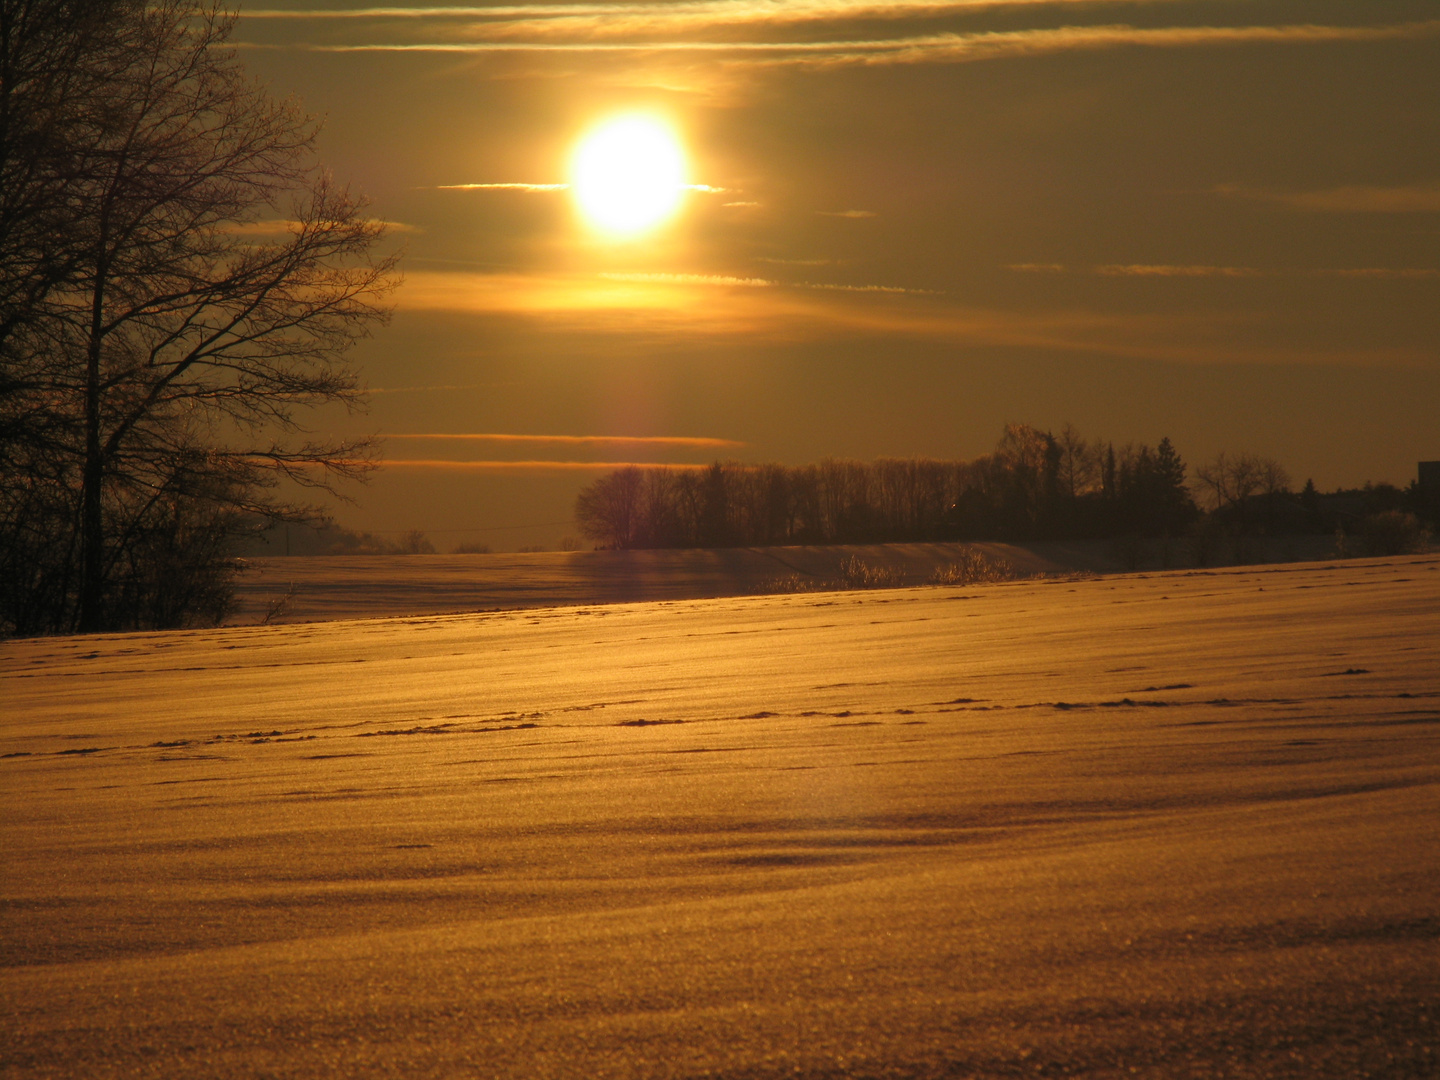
<point x="1229" y="481"/>
<point x="609" y="511"/>
<point x="1079" y="463"/>
<point x="202" y="282"/>
<point x="1232" y="484"/>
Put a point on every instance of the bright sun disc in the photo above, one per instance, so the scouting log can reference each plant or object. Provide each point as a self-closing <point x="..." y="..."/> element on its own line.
<point x="628" y="174"/>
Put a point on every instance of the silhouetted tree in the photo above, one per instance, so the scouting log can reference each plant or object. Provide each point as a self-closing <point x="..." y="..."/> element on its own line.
<point x="176" y="280"/>
<point x="1234" y="482"/>
<point x="608" y="511"/>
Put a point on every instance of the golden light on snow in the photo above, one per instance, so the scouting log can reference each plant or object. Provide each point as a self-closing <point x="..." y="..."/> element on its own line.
<point x="628" y="174"/>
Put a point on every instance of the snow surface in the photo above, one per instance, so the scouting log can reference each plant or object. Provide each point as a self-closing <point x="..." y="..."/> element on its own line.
<point x="1179" y="824"/>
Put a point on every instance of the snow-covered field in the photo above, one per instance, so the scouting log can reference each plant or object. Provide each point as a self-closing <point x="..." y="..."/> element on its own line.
<point x="1181" y="824"/>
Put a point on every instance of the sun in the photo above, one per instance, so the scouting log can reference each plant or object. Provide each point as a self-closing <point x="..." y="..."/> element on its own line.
<point x="628" y="174"/>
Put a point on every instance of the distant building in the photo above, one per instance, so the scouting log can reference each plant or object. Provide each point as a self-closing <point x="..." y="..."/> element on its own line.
<point x="1428" y="492"/>
<point x="1430" y="478"/>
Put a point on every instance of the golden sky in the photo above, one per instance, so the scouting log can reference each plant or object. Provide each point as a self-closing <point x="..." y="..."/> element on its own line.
<point x="903" y="224"/>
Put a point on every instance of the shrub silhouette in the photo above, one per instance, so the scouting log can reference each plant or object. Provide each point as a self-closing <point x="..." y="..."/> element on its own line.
<point x="856" y="573"/>
<point x="972" y="568"/>
<point x="1393" y="532"/>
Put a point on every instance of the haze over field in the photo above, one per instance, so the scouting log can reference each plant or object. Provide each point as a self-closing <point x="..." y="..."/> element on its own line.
<point x="1178" y="824"/>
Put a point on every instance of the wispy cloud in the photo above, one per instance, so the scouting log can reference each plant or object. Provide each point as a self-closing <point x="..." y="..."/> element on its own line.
<point x="1162" y="270"/>
<point x="705" y="189"/>
<point x="1165" y="270"/>
<point x="1384" y="272"/>
<point x="691" y="279"/>
<point x="895" y="289"/>
<point x="959" y="48"/>
<point x="746" y="10"/>
<point x="1353" y="199"/>
<point x="759" y="283"/>
<point x="533" y="466"/>
<point x="285" y="226"/>
<point x="846" y="213"/>
<point x="690" y="309"/>
<point x="693" y="441"/>
<point x="501" y="187"/>
<point x="552" y="36"/>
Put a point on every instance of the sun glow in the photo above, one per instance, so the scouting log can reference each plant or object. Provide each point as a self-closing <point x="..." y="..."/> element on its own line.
<point x="628" y="175"/>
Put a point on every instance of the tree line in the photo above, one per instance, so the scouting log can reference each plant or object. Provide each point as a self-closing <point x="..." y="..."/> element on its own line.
<point x="1035" y="485"/>
<point x="178" y="281"/>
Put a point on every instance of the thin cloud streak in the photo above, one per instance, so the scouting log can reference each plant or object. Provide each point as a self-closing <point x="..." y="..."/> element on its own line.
<point x="1401" y="274"/>
<point x="698" y="441"/>
<point x="708" y="189"/>
<point x="691" y="279"/>
<point x="1183" y="271"/>
<point x="688" y="310"/>
<point x="289" y="227"/>
<point x="535" y="466"/>
<point x="961" y="48"/>
<point x="927" y="49"/>
<point x="759" y="283"/>
<point x="583" y="23"/>
<point x="793" y="10"/>
<point x="1146" y="270"/>
<point x="501" y="187"/>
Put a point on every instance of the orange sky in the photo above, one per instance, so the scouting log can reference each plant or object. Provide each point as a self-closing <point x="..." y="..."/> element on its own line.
<point x="909" y="223"/>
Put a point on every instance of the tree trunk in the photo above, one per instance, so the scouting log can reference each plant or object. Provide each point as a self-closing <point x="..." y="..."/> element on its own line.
<point x="92" y="525"/>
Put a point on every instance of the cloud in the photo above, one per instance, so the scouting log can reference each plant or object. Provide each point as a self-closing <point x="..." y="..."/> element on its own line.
<point x="287" y="226"/>
<point x="707" y="189"/>
<point x="1192" y="271"/>
<point x="759" y="283"/>
<point x="689" y="15"/>
<point x="749" y="10"/>
<point x="501" y="187"/>
<point x="1354" y="199"/>
<point x="554" y="35"/>
<point x="691" y="279"/>
<point x="846" y="213"/>
<point x="959" y="48"/>
<point x="1396" y="273"/>
<point x="1147" y="270"/>
<point x="534" y="466"/>
<point x="696" y="441"/>
<point x="868" y="289"/>
<point x="685" y="308"/>
<point x="743" y="203"/>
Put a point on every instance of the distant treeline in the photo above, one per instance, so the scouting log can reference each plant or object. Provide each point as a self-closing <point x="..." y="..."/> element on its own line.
<point x="1034" y="486"/>
<point x="325" y="536"/>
